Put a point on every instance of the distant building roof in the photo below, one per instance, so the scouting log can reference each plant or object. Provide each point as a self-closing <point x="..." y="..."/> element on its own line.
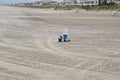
<point x="44" y="1"/>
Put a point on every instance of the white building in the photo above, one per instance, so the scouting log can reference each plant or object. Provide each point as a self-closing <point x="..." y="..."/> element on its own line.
<point x="44" y="1"/>
<point x="87" y="2"/>
<point x="81" y="2"/>
<point x="41" y="2"/>
<point x="115" y="1"/>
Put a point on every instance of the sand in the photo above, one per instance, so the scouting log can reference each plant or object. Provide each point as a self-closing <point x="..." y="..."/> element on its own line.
<point x="29" y="49"/>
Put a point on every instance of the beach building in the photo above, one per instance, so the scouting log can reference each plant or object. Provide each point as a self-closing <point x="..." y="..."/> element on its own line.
<point x="87" y="2"/>
<point x="44" y="1"/>
<point x="115" y="1"/>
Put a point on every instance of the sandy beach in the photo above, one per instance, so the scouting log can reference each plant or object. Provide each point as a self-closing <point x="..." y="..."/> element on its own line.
<point x="29" y="49"/>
